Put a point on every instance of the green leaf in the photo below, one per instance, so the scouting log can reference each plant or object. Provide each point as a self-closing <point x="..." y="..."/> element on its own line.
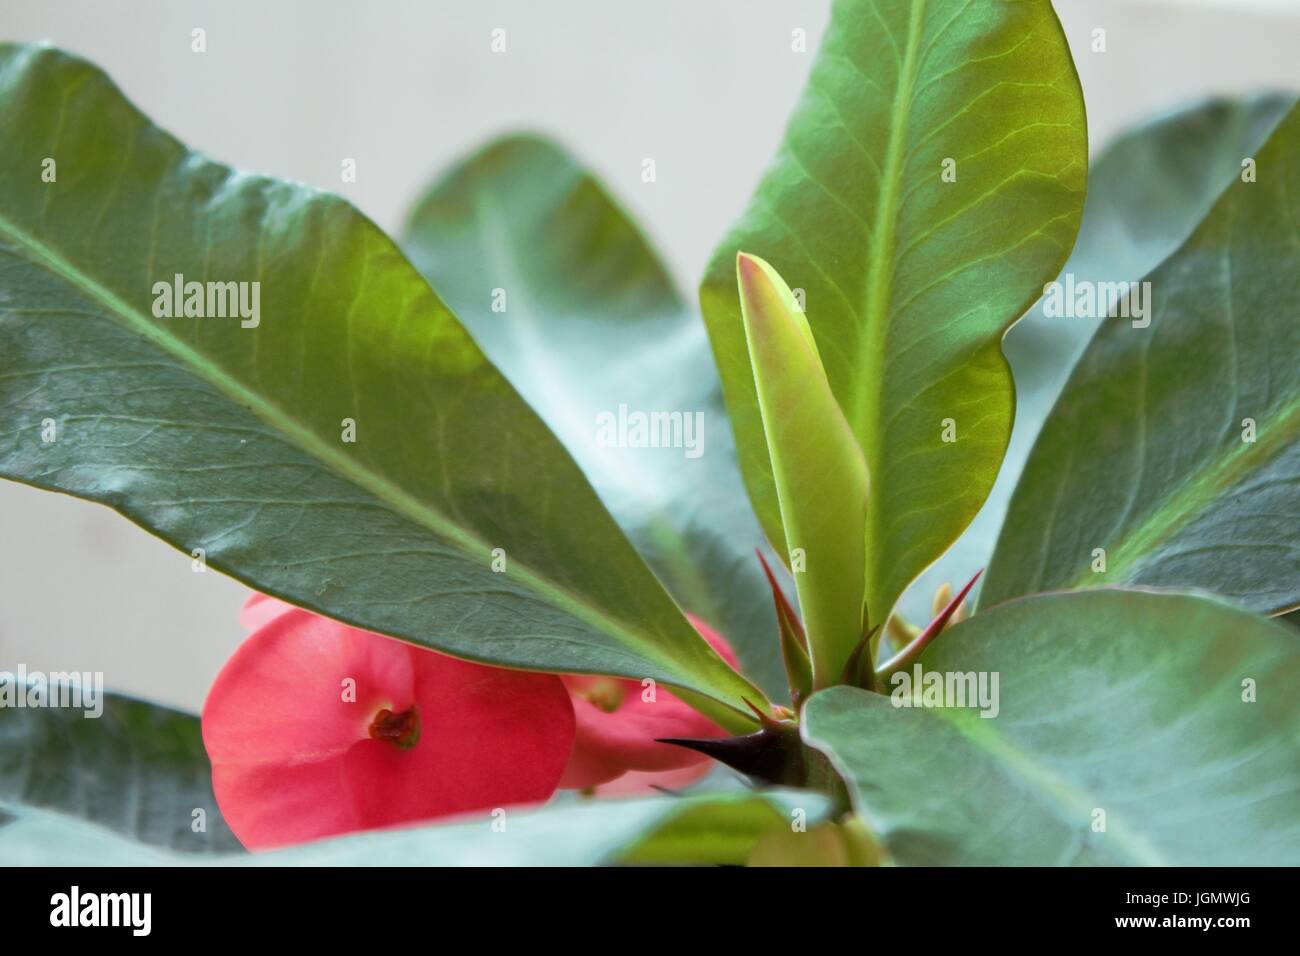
<point x="911" y="281"/>
<point x="1145" y="456"/>
<point x="592" y="322"/>
<point x="1146" y="193"/>
<point x="725" y="828"/>
<point x="719" y="830"/>
<point x="1126" y="702"/>
<point x="138" y="769"/>
<point x="233" y="440"/>
<point x="817" y="466"/>
<point x="828" y="844"/>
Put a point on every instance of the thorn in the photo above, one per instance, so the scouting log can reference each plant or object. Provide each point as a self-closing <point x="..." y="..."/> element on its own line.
<point x="794" y="643"/>
<point x="783" y="607"/>
<point x="770" y="755"/>
<point x="913" y="650"/>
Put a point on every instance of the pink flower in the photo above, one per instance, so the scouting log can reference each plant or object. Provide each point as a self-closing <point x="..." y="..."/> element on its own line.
<point x="315" y="728"/>
<point x="618" y="721"/>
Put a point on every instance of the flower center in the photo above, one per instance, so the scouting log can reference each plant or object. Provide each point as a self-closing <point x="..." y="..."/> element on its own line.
<point x="401" y="730"/>
<point x="605" y="693"/>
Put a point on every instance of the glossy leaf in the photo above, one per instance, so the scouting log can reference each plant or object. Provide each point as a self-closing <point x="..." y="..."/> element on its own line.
<point x="1131" y="728"/>
<point x="1146" y="193"/>
<point x="592" y="322"/>
<point x="348" y="448"/>
<point x="1172" y="457"/>
<point x="138" y="769"/>
<point x="817" y="467"/>
<point x="911" y="276"/>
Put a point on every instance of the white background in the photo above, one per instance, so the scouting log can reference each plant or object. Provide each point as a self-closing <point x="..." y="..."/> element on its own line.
<point x="290" y="88"/>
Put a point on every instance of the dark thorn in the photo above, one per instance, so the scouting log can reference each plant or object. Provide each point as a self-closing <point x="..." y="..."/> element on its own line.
<point x="769" y="755"/>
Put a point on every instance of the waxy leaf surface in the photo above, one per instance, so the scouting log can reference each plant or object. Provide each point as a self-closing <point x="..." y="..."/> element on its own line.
<point x="1172" y="457"/>
<point x="1146" y="193"/>
<point x="235" y="440"/>
<point x="712" y="829"/>
<point x="137" y="768"/>
<point x="1129" y="728"/>
<point x="930" y="182"/>
<point x="591" y="330"/>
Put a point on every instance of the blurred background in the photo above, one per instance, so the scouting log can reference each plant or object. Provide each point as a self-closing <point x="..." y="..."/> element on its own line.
<point x="406" y="87"/>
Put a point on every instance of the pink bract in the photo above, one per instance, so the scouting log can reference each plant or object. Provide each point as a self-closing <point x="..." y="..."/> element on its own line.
<point x="618" y="722"/>
<point x="316" y="728"/>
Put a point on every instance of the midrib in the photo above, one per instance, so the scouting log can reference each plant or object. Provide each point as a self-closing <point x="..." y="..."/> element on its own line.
<point x="400" y="500"/>
<point x="865" y="412"/>
<point x="1199" y="489"/>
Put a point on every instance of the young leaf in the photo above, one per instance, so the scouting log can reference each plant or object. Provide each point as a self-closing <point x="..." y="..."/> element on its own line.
<point x="820" y="477"/>
<point x="340" y="442"/>
<point x="1128" y="728"/>
<point x="930" y="182"/>
<point x="589" y="325"/>
<point x="1172" y="457"/>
